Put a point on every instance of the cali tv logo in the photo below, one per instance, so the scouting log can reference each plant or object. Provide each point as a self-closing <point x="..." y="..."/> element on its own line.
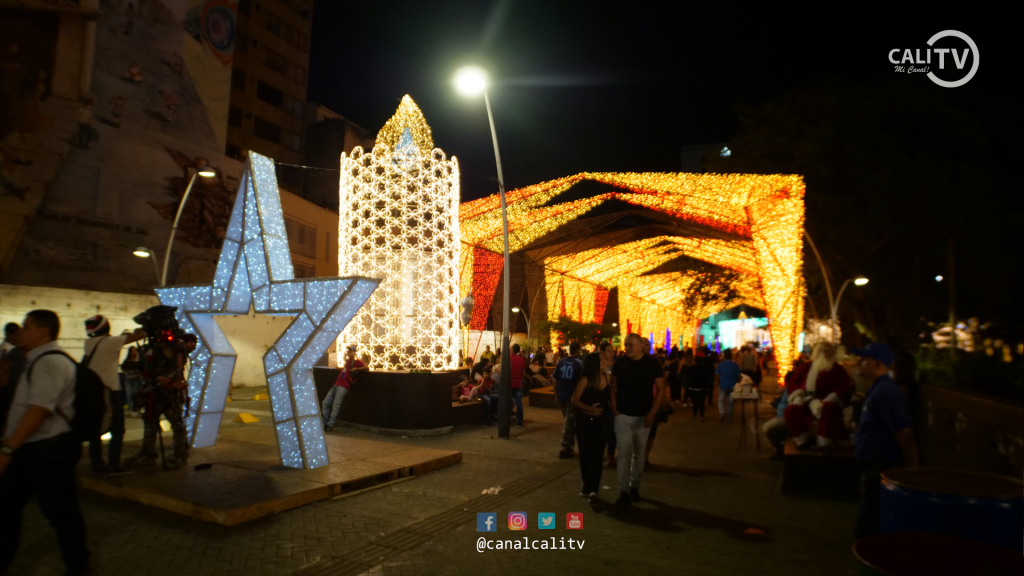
<point x="902" y="57"/>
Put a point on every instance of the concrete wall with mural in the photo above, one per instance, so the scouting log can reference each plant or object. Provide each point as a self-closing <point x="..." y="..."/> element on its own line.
<point x="96" y="176"/>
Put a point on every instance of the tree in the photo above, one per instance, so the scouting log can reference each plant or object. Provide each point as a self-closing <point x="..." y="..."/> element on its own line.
<point x="582" y="332"/>
<point x="894" y="168"/>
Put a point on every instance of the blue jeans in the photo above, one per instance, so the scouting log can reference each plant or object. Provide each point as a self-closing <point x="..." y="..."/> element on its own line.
<point x="725" y="403"/>
<point x="490" y="406"/>
<point x="332" y="405"/>
<point x="116" y="434"/>
<point x="517" y="395"/>
<point x="631" y="437"/>
<point x="131" y="387"/>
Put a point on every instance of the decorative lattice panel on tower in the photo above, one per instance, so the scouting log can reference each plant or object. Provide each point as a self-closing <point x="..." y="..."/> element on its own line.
<point x="398" y="221"/>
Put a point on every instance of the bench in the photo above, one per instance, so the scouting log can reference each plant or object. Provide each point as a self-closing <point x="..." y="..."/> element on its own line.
<point x="818" y="475"/>
<point x="543" y="398"/>
<point x="467" y="412"/>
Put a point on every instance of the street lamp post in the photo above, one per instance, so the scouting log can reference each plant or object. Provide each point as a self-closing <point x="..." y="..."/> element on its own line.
<point x="833" y="305"/>
<point x="828" y="284"/>
<point x="472" y="81"/>
<point x="205" y="173"/>
<point x="143" y="252"/>
<point x="517" y="310"/>
<point x="858" y="281"/>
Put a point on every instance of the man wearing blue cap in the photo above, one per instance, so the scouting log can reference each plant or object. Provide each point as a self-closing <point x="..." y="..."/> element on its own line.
<point x="884" y="439"/>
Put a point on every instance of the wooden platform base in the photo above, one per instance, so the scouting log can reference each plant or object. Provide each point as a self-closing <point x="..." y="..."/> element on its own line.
<point x="543" y="398"/>
<point x="247" y="480"/>
<point x="816" y="475"/>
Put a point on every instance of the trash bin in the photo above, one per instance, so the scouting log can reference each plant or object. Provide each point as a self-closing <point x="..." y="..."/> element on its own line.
<point x="972" y="505"/>
<point x="929" y="555"/>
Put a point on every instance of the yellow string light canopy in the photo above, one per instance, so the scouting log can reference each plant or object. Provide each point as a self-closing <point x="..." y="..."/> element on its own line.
<point x="761" y="217"/>
<point x="398" y="221"/>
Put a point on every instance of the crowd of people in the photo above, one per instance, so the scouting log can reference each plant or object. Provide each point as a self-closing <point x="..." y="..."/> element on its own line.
<point x="50" y="405"/>
<point x="613" y="400"/>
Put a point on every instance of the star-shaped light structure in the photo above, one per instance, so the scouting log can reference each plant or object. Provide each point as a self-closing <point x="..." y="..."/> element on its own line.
<point x="255" y="271"/>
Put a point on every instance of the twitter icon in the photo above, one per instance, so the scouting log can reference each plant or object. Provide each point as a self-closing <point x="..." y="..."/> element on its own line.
<point x="546" y="520"/>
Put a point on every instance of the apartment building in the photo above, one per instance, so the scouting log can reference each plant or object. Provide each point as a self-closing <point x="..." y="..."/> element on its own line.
<point x="269" y="78"/>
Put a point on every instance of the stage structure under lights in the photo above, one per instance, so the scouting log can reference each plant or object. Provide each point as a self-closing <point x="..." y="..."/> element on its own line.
<point x="748" y="227"/>
<point x="255" y="272"/>
<point x="398" y="221"/>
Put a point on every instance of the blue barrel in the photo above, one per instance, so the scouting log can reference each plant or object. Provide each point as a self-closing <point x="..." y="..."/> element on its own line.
<point x="972" y="505"/>
<point x="931" y="555"/>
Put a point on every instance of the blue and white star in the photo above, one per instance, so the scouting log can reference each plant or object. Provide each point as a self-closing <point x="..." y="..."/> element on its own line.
<point x="255" y="270"/>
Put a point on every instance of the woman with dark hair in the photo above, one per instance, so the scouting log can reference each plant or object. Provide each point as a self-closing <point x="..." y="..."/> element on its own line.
<point x="477" y="372"/>
<point x="607" y="352"/>
<point x="675" y="385"/>
<point x="591" y="399"/>
<point x="132" y="380"/>
<point x="683" y="374"/>
<point x="700" y="377"/>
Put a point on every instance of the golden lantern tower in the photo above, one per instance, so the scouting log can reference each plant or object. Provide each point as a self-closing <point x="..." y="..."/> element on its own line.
<point x="398" y="222"/>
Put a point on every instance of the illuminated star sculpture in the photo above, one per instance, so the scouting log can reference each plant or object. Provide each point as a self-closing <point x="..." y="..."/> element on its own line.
<point x="255" y="270"/>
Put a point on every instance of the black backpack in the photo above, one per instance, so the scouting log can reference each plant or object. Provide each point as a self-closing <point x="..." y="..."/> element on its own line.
<point x="91" y="402"/>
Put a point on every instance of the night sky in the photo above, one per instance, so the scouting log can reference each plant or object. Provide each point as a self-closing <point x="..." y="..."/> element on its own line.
<point x="589" y="86"/>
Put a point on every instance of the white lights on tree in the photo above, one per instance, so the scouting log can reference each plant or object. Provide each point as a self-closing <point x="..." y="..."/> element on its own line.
<point x="255" y="272"/>
<point x="398" y="221"/>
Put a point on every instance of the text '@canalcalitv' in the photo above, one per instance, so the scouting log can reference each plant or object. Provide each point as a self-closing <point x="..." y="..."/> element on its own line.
<point x="527" y="543"/>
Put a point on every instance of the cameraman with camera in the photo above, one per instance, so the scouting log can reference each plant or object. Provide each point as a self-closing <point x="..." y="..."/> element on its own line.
<point x="164" y="390"/>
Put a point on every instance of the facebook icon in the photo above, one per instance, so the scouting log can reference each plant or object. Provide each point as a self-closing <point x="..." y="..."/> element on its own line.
<point x="487" y="522"/>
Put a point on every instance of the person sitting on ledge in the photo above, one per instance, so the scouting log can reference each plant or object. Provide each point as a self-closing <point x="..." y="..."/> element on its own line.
<point x="458" y="386"/>
<point x="469" y="392"/>
<point x="487" y="392"/>
<point x="538" y="376"/>
<point x="496" y="366"/>
<point x="814" y="414"/>
<point x="476" y="373"/>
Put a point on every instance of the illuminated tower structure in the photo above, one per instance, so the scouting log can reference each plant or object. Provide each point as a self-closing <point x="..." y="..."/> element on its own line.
<point x="398" y="222"/>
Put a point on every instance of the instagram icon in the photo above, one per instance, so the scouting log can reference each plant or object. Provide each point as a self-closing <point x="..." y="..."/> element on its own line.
<point x="517" y="520"/>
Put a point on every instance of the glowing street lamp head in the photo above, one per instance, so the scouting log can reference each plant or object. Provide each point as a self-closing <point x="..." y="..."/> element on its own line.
<point x="515" y="310"/>
<point x="860" y="281"/>
<point x="471" y="80"/>
<point x="207" y="173"/>
<point x="143" y="252"/>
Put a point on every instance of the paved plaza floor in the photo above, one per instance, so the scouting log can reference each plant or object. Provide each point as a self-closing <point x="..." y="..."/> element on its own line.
<point x="708" y="509"/>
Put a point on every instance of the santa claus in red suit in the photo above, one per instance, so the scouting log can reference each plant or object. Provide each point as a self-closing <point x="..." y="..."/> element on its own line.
<point x="821" y="389"/>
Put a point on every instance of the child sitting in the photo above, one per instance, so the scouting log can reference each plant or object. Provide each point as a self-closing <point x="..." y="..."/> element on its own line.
<point x="469" y="392"/>
<point x="486" y="385"/>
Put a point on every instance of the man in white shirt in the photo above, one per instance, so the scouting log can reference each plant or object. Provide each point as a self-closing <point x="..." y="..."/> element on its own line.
<point x="103" y="355"/>
<point x="38" y="454"/>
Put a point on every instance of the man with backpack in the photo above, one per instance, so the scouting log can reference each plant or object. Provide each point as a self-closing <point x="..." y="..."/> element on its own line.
<point x="567" y="373"/>
<point x="102" y="355"/>
<point x="40" y="450"/>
